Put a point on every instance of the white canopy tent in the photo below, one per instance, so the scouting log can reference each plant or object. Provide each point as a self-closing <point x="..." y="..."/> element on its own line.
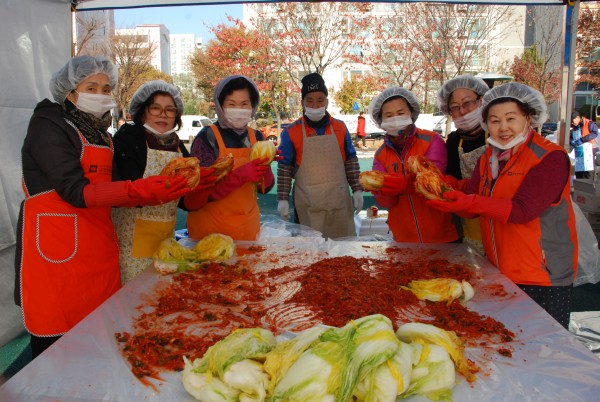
<point x="36" y="41"/>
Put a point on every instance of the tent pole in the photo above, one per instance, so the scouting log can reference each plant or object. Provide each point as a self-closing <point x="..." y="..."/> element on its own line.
<point x="568" y="71"/>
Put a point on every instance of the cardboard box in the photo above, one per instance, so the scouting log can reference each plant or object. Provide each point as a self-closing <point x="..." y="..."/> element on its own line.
<point x="586" y="195"/>
<point x="376" y="225"/>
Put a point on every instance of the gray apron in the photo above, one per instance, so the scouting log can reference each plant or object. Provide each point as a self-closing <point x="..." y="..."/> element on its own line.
<point x="321" y="194"/>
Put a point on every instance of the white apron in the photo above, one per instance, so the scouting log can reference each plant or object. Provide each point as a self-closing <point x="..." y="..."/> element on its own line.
<point x="471" y="228"/>
<point x="141" y="230"/>
<point x="321" y="194"/>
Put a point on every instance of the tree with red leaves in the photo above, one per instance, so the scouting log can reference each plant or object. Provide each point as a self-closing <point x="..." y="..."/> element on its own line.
<point x="238" y="50"/>
<point x="588" y="47"/>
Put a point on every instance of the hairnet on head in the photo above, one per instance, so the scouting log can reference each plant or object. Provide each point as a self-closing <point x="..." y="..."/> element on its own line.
<point x="78" y="69"/>
<point x="392" y="92"/>
<point x="521" y="92"/>
<point x="466" y="81"/>
<point x="148" y="89"/>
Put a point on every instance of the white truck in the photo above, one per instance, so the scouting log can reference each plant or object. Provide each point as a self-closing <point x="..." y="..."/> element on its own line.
<point x="192" y="124"/>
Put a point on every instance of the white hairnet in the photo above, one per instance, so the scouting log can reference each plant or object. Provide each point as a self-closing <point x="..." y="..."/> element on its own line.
<point x="147" y="89"/>
<point x="466" y="81"/>
<point x="521" y="92"/>
<point x="78" y="69"/>
<point x="392" y="92"/>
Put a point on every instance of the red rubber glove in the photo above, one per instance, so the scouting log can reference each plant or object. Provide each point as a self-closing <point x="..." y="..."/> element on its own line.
<point x="198" y="197"/>
<point x="460" y="185"/>
<point x="394" y="184"/>
<point x="473" y="204"/>
<point x="278" y="155"/>
<point x="207" y="179"/>
<point x="252" y="171"/>
<point x="155" y="190"/>
<point x="108" y="194"/>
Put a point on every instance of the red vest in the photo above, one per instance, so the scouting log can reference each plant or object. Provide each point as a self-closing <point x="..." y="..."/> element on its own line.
<point x="411" y="220"/>
<point x="295" y="131"/>
<point x="540" y="252"/>
<point x="70" y="256"/>
<point x="585" y="130"/>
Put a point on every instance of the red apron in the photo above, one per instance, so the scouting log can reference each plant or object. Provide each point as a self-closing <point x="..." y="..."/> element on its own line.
<point x="70" y="256"/>
<point x="237" y="215"/>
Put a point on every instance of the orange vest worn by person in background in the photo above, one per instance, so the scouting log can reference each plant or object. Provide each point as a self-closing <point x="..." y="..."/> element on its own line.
<point x="70" y="256"/>
<point x="295" y="131"/>
<point x="411" y="220"/>
<point x="585" y="130"/>
<point x="543" y="251"/>
<point x="236" y="215"/>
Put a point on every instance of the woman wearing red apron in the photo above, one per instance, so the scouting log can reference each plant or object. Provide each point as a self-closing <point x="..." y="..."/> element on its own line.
<point x="67" y="260"/>
<point x="232" y="207"/>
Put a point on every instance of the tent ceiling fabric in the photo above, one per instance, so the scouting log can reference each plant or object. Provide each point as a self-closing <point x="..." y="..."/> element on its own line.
<point x="108" y="4"/>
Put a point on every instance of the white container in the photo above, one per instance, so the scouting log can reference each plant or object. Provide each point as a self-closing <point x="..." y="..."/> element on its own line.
<point x="375" y="225"/>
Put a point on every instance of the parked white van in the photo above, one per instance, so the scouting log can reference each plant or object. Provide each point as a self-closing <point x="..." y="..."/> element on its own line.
<point x="192" y="124"/>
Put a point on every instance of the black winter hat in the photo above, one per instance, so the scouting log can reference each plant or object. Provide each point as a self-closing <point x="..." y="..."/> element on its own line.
<point x="313" y="82"/>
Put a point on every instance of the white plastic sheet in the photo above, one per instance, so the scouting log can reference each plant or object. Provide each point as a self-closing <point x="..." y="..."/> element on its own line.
<point x="588" y="258"/>
<point x="548" y="362"/>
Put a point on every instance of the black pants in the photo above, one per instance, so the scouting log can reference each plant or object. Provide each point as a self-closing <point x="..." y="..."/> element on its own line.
<point x="39" y="344"/>
<point x="556" y="300"/>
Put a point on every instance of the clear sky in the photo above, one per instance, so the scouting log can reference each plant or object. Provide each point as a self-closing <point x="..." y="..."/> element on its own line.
<point x="180" y="20"/>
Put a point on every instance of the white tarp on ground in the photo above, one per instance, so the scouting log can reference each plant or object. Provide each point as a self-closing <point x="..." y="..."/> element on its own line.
<point x="36" y="39"/>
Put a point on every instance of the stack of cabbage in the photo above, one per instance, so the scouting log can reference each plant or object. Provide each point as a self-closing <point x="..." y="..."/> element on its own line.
<point x="361" y="361"/>
<point x="172" y="257"/>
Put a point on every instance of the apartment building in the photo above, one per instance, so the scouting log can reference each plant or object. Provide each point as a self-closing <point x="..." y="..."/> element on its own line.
<point x="157" y="37"/>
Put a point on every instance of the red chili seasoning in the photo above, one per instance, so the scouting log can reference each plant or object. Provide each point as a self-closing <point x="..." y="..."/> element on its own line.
<point x="196" y="309"/>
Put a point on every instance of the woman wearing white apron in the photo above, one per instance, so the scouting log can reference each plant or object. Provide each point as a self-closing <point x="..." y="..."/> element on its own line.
<point x="317" y="152"/>
<point x="460" y="98"/>
<point x="143" y="149"/>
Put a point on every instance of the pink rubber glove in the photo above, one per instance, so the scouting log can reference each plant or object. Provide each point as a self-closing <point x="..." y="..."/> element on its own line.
<point x="252" y="172"/>
<point x="394" y="184"/>
<point x="198" y="197"/>
<point x="155" y="190"/>
<point x="473" y="204"/>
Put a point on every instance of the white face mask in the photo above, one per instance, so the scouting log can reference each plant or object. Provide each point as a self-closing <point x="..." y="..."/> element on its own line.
<point x="158" y="133"/>
<point x="393" y="125"/>
<point x="96" y="104"/>
<point x="512" y="143"/>
<point x="314" y="114"/>
<point x="238" y="118"/>
<point x="469" y="121"/>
